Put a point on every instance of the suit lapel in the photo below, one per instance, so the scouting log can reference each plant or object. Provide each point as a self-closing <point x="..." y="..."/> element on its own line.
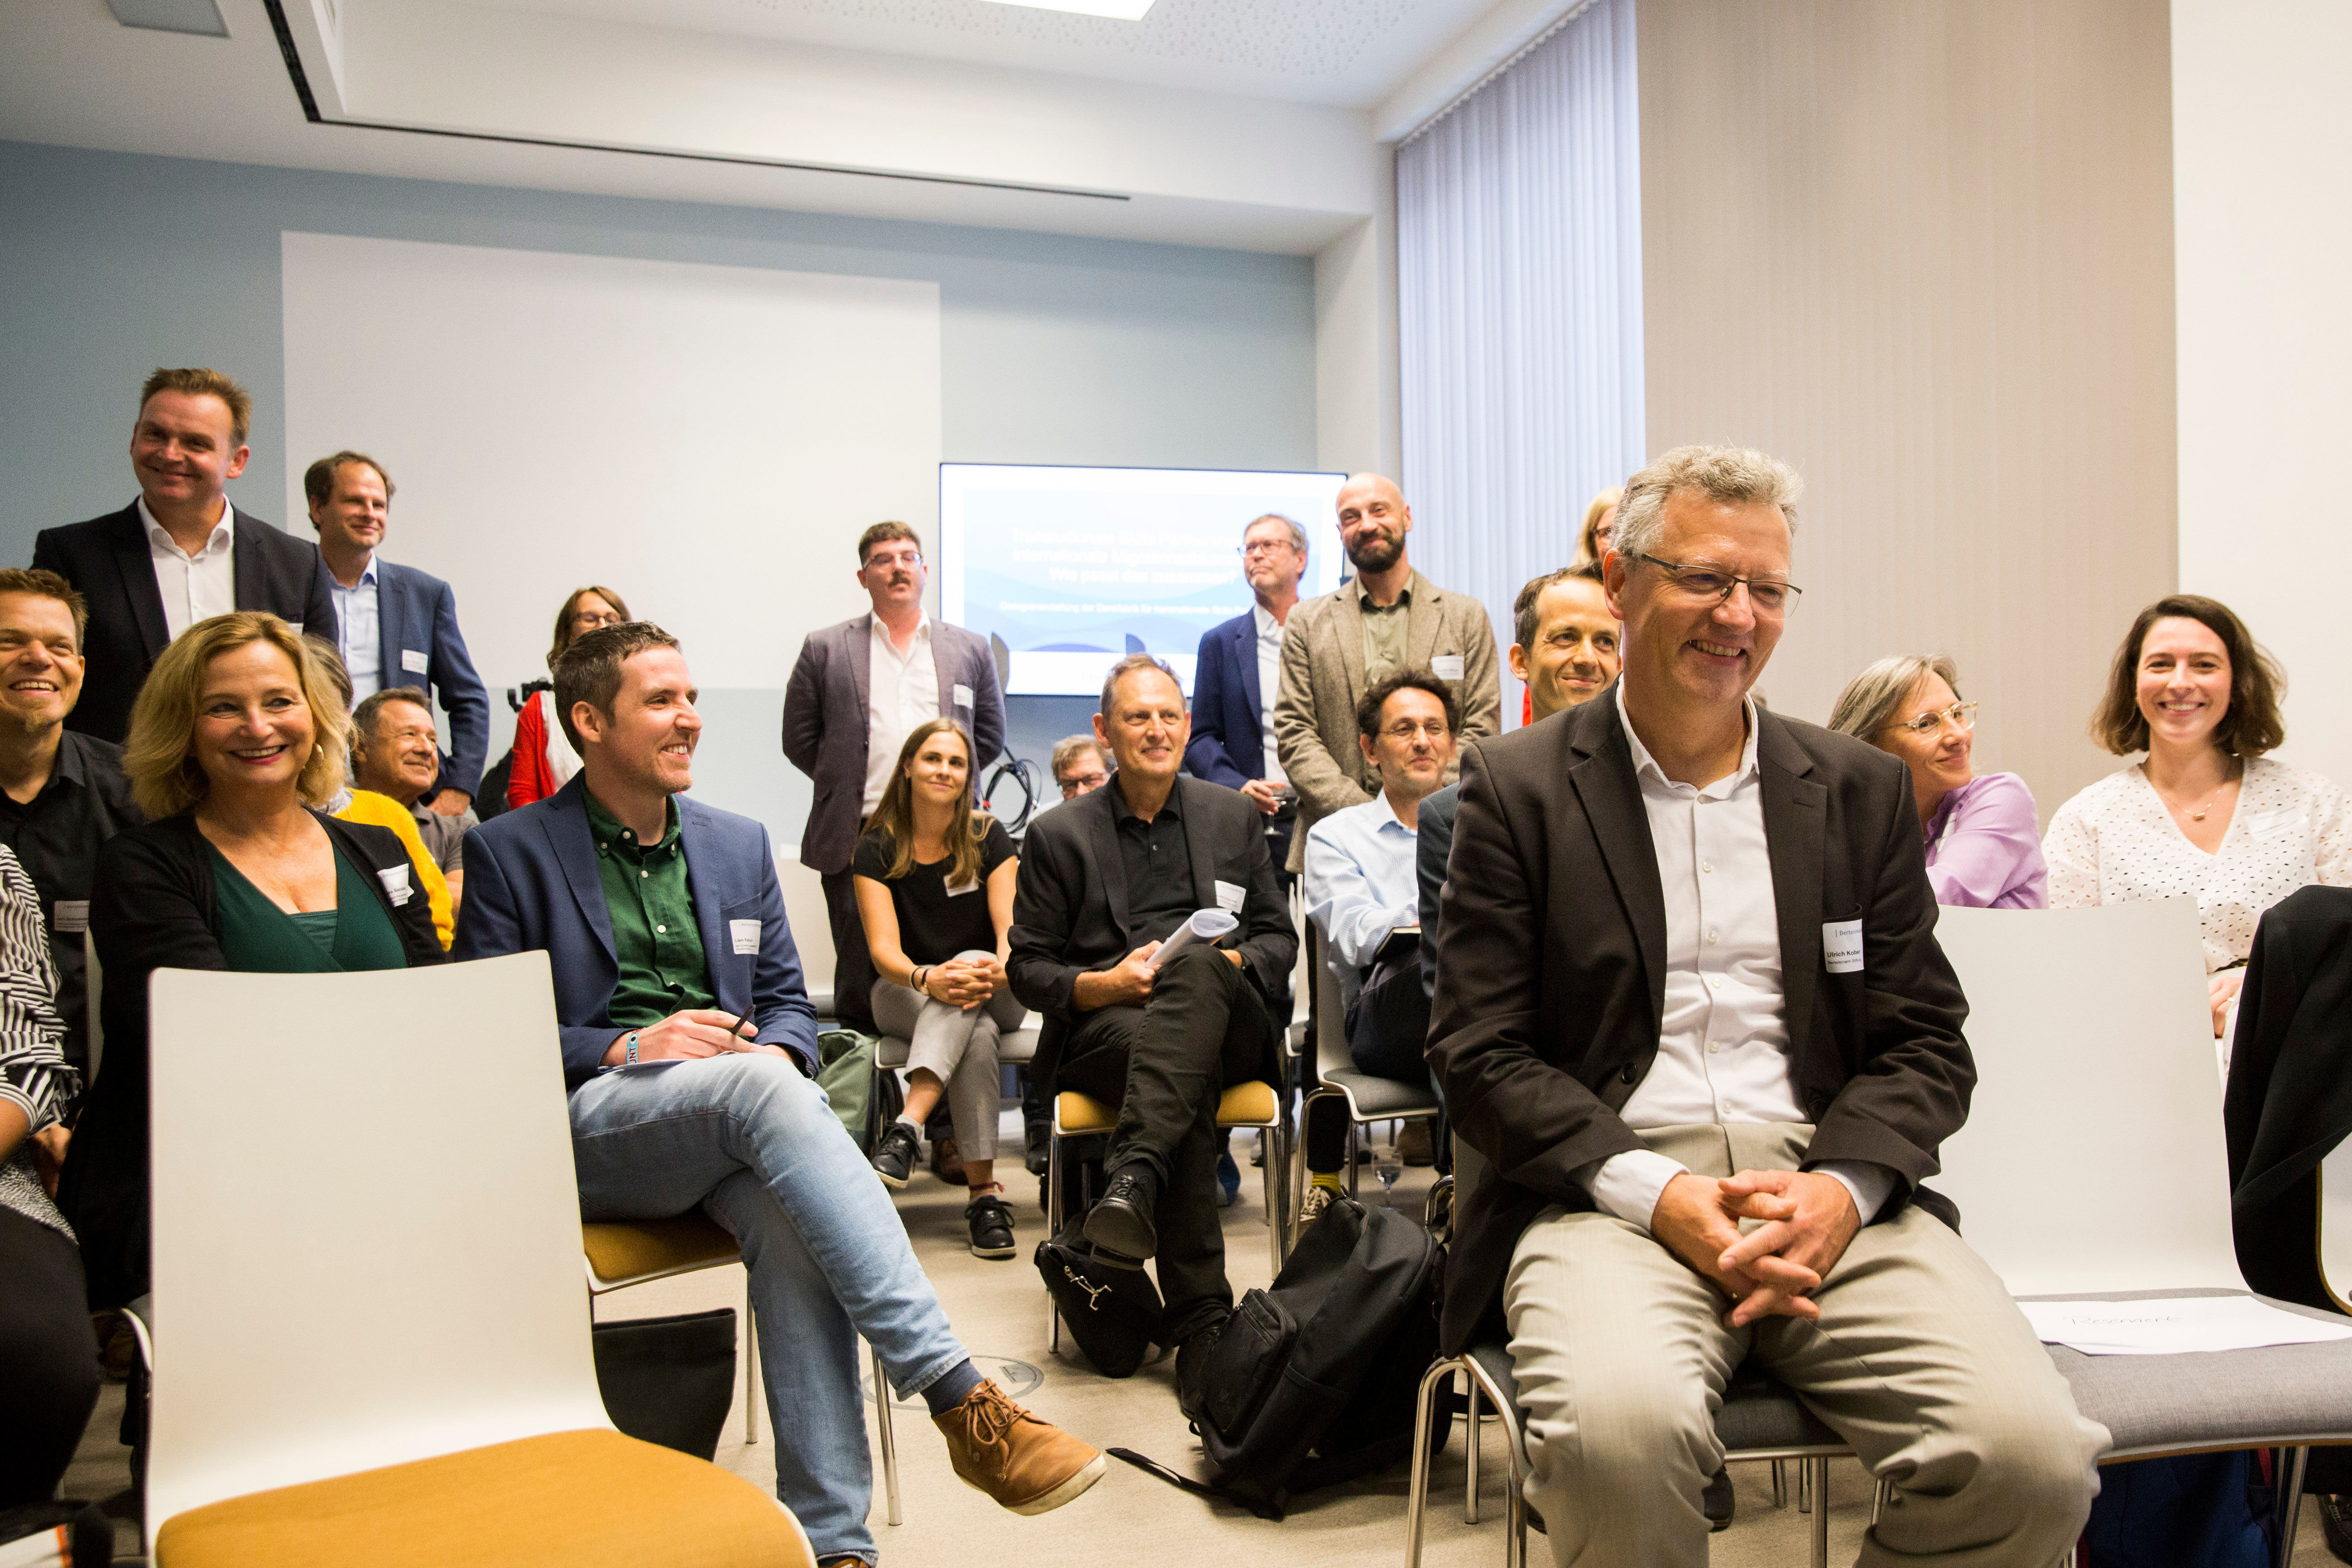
<point x="1796" y="825"/>
<point x="246" y="568"/>
<point x="945" y="668"/>
<point x="710" y="902"/>
<point x="566" y="827"/>
<point x="1246" y="650"/>
<point x="1199" y="851"/>
<point x="1348" y="621"/>
<point x="391" y="618"/>
<point x="1604" y="778"/>
<point x="1102" y="833"/>
<point x="137" y="563"/>
<point x="1424" y="613"/>
<point x="860" y="656"/>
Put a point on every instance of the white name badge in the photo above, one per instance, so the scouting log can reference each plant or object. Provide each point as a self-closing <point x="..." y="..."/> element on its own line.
<point x="2262" y="823"/>
<point x="410" y="660"/>
<point x="958" y="889"/>
<point x="962" y="696"/>
<point x="1841" y="946"/>
<point x="1447" y="666"/>
<point x="71" y="916"/>
<point x="745" y="935"/>
<point x="1229" y="898"/>
<point x="396" y="884"/>
<point x="294" y="627"/>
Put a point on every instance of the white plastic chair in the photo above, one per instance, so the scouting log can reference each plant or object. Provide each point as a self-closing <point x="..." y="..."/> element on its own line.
<point x="367" y="1245"/>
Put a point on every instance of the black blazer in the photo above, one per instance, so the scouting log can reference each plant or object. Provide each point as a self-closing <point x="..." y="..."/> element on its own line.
<point x="1070" y="904"/>
<point x="107" y="559"/>
<point x="151" y="908"/>
<point x="1551" y="971"/>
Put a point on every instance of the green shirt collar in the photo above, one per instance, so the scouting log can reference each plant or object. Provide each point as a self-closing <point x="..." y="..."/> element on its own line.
<point x="612" y="838"/>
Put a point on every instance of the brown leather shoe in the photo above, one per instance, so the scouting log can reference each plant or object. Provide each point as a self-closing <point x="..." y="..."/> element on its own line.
<point x="1026" y="1465"/>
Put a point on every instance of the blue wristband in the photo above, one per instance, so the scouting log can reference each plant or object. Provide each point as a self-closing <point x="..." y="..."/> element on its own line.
<point x="632" y="1057"/>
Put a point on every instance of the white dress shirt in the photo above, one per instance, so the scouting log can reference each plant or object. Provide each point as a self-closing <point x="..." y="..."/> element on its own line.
<point x="1363" y="882"/>
<point x="355" y="623"/>
<point x="194" y="587"/>
<point x="901" y="692"/>
<point x="1723" y="1045"/>
<point x="1269" y="684"/>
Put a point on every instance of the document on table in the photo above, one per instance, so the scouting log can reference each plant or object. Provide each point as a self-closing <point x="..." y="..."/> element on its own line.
<point x="1206" y="925"/>
<point x="2175" y="1325"/>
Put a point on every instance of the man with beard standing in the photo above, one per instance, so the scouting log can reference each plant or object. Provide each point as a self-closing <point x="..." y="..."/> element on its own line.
<point x="1386" y="618"/>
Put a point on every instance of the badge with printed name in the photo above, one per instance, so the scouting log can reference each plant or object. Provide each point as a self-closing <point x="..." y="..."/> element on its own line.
<point x="396" y="884"/>
<point x="962" y="695"/>
<point x="413" y="661"/>
<point x="1230" y="897"/>
<point x="70" y="916"/>
<point x="746" y="935"/>
<point x="1841" y="946"/>
<point x="1447" y="666"/>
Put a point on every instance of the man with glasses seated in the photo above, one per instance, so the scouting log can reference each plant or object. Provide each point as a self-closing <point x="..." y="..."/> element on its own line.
<point x="1982" y="832"/>
<point x="1688" y="982"/>
<point x="1363" y="890"/>
<point x="856" y="692"/>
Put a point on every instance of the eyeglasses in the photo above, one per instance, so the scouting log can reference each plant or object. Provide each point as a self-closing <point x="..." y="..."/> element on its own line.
<point x="1263" y="547"/>
<point x="904" y="558"/>
<point x="1405" y="730"/>
<point x="1770" y="596"/>
<point x="1964" y="714"/>
<point x="1076" y="785"/>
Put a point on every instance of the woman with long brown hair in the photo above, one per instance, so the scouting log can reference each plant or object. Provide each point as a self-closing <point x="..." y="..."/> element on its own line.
<point x="934" y="881"/>
<point x="544" y="761"/>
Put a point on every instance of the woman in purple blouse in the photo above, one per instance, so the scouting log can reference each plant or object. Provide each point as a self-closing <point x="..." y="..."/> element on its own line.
<point x="1984" y="843"/>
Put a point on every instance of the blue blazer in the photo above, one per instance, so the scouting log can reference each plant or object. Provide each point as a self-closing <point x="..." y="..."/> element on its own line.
<point x="416" y="615"/>
<point x="532" y="883"/>
<point x="1227" y="746"/>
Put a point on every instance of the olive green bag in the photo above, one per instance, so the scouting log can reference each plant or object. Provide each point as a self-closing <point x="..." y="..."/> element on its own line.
<point x="847" y="1075"/>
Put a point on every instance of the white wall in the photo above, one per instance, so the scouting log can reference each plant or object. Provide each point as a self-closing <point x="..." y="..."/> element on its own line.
<point x="2261" y="127"/>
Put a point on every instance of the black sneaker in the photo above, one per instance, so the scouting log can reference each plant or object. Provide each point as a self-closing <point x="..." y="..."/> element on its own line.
<point x="1040" y="1134"/>
<point x="896" y="1156"/>
<point x="990" y="1224"/>
<point x="2335" y="1524"/>
<point x="1120" y="1225"/>
<point x="1719" y="1502"/>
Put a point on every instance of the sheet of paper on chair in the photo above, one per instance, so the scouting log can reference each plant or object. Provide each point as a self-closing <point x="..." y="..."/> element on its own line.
<point x="1206" y="925"/>
<point x="2174" y="1326"/>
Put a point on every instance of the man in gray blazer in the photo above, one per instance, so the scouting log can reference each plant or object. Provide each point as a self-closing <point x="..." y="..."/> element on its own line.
<point x="858" y="689"/>
<point x="1386" y="618"/>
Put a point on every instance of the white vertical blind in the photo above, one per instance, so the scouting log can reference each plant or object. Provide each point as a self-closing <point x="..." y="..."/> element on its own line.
<point x="1519" y="299"/>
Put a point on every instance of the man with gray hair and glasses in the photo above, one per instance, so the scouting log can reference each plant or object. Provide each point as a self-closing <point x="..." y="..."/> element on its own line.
<point x="1239" y="674"/>
<point x="1688" y="981"/>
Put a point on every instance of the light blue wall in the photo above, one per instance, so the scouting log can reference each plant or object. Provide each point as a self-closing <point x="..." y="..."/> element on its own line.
<point x="1054" y="350"/>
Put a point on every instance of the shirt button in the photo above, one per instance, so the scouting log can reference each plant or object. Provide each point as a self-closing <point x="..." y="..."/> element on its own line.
<point x="1715" y="1047"/>
<point x="645" y="873"/>
<point x="661" y="930"/>
<point x="1706" y="865"/>
<point x="1715" y="936"/>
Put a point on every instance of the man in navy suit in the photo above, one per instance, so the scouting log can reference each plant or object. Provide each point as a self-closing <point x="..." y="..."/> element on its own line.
<point x="398" y="626"/>
<point x="1239" y="671"/>
<point x="180" y="554"/>
<point x="690" y="1049"/>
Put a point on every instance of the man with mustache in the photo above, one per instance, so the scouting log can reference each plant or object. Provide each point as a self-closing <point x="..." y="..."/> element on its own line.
<point x="1688" y="982"/>
<point x="856" y="692"/>
<point x="62" y="795"/>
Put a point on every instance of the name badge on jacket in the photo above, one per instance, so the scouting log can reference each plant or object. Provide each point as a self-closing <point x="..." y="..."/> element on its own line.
<point x="1841" y="946"/>
<point x="746" y="935"/>
<point x="1447" y="666"/>
<point x="396" y="884"/>
<point x="413" y="660"/>
<point x="962" y="695"/>
<point x="1230" y="897"/>
<point x="72" y="916"/>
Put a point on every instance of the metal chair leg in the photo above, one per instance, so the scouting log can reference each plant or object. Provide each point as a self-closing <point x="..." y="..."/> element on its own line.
<point x="1424" y="1459"/>
<point x="1470" y="1441"/>
<point x="751" y="1368"/>
<point x="889" y="1439"/>
<point x="1879" y="1499"/>
<point x="1818" y="1472"/>
<point x="1273" y="1204"/>
<point x="1052" y="1228"/>
<point x="2290" y="1501"/>
<point x="1804" y="1485"/>
<point x="1780" y="1483"/>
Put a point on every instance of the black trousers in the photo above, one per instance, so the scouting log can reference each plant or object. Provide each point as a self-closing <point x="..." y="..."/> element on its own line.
<point x="48" y="1359"/>
<point x="853" y="965"/>
<point x="1164" y="1065"/>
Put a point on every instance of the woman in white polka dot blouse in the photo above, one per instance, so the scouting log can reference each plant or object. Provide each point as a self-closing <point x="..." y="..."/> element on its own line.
<point x="2209" y="814"/>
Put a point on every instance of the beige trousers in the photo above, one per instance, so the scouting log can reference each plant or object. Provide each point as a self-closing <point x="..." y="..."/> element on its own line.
<point x="1919" y="1359"/>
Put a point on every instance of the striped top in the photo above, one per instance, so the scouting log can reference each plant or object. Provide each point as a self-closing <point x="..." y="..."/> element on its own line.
<point x="34" y="1077"/>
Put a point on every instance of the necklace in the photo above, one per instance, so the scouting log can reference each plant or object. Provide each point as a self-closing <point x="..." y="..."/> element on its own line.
<point x="2227" y="776"/>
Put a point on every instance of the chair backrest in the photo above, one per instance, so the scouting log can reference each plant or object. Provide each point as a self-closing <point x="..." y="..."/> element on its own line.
<point x="366" y="1225"/>
<point x="1331" y="1053"/>
<point x="2093" y="1155"/>
<point x="93" y="976"/>
<point x="2336" y="1223"/>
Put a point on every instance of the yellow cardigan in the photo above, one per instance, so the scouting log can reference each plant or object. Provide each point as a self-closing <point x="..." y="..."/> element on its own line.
<point x="367" y="805"/>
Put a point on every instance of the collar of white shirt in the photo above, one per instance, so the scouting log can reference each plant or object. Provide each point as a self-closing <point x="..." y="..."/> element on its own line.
<point x="367" y="576"/>
<point x="1268" y="627"/>
<point x="881" y="632"/>
<point x="1646" y="769"/>
<point x="223" y="535"/>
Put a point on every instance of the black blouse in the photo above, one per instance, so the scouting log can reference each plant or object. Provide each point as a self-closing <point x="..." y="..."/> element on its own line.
<point x="935" y="924"/>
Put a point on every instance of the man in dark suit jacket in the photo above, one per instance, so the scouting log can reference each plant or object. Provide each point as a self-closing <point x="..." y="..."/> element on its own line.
<point x="665" y="929"/>
<point x="398" y="626"/>
<point x="180" y="552"/>
<point x="1104" y="878"/>
<point x="1238" y="675"/>
<point x="1688" y="979"/>
<point x="844" y="733"/>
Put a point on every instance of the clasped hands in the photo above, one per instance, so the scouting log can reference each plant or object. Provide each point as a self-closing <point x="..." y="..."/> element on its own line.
<point x="964" y="982"/>
<point x="1807" y="1221"/>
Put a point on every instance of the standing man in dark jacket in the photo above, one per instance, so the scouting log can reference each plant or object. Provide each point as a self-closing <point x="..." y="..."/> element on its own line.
<point x="855" y="694"/>
<point x="1238" y="675"/>
<point x="1688" y="977"/>
<point x="180" y="552"/>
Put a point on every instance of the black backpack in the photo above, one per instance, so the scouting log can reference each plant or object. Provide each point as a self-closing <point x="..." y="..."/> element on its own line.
<point x="1314" y="1381"/>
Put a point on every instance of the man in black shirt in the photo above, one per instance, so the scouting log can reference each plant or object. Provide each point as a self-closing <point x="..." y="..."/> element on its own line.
<point x="62" y="795"/>
<point x="1104" y="881"/>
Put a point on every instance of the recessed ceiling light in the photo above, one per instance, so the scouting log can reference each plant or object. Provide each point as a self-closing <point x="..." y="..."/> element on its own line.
<point x="1117" y="10"/>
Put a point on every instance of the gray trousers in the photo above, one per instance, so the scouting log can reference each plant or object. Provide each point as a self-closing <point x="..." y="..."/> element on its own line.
<point x="1920" y="1360"/>
<point x="960" y="1046"/>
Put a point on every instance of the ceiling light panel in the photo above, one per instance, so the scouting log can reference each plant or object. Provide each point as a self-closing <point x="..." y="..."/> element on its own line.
<point x="1117" y="10"/>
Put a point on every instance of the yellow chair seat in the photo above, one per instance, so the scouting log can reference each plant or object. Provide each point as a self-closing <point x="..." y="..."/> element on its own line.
<point x="624" y="1252"/>
<point x="1244" y="1105"/>
<point x="580" y="1499"/>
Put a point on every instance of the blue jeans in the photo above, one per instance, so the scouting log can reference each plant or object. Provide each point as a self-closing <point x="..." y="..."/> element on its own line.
<point x="755" y="1144"/>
